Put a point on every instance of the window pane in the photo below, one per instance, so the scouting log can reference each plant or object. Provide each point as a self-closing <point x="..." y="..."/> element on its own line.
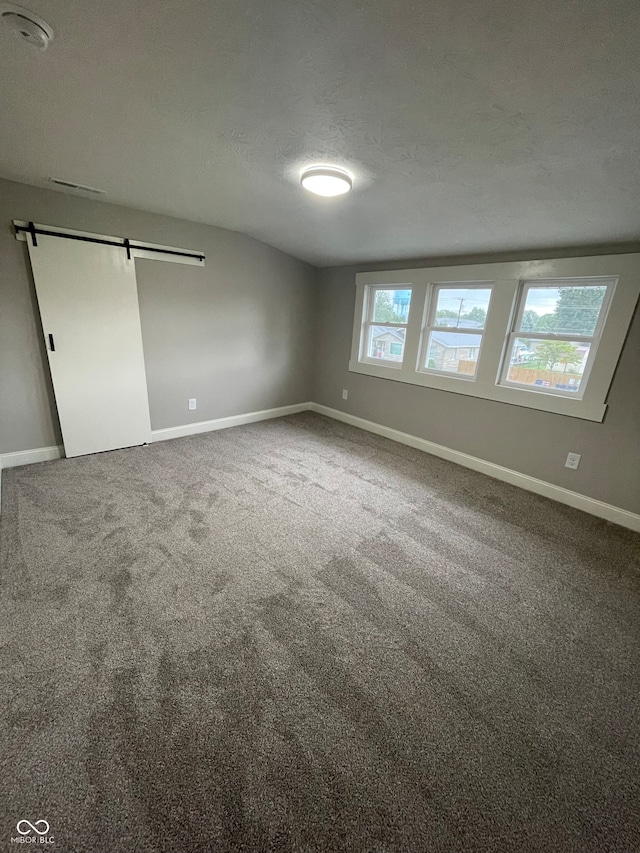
<point x="386" y="342"/>
<point x="453" y="352"/>
<point x="562" y="310"/>
<point x="551" y="364"/>
<point x="391" y="306"/>
<point x="462" y="307"/>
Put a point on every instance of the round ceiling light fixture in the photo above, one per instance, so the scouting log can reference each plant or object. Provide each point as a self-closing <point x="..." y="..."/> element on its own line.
<point x="326" y="180"/>
<point x="26" y="26"/>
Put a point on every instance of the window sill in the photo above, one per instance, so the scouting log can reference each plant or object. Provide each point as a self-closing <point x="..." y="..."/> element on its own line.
<point x="531" y="399"/>
<point x="381" y="362"/>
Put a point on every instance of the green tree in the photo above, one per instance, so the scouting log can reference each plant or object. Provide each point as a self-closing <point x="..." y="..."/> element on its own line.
<point x="529" y="320"/>
<point x="577" y="309"/>
<point x="383" y="309"/>
<point x="446" y="312"/>
<point x="551" y="353"/>
<point x="477" y="315"/>
<point x="546" y="323"/>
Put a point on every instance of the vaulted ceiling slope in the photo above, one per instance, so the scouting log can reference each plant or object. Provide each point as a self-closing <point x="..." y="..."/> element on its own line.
<point x="469" y="125"/>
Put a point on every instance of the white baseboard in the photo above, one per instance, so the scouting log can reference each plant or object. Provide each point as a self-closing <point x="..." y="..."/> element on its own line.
<point x="531" y="484"/>
<point x="225" y="423"/>
<point x="607" y="511"/>
<point x="28" y="457"/>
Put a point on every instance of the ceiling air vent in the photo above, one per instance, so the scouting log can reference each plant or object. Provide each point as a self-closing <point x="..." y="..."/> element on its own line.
<point x="70" y="185"/>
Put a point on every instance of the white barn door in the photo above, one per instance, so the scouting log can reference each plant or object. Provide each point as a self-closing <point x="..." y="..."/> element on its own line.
<point x="88" y="303"/>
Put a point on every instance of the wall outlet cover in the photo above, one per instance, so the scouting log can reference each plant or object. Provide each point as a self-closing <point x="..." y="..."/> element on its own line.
<point x="192" y="404"/>
<point x="573" y="460"/>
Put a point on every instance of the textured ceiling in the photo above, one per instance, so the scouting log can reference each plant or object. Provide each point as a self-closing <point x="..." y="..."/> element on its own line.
<point x="469" y="125"/>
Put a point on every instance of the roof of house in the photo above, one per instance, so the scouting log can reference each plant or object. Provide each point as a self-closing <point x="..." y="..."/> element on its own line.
<point x="450" y="340"/>
<point x="379" y="331"/>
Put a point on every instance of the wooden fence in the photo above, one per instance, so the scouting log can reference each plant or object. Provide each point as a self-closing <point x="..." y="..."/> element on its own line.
<point x="528" y="376"/>
<point x="550" y="378"/>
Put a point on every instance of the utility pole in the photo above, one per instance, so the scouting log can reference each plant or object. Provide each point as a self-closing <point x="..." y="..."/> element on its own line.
<point x="461" y="301"/>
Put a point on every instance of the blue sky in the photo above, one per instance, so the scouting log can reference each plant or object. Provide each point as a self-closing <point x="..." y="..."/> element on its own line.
<point x="473" y="297"/>
<point x="541" y="300"/>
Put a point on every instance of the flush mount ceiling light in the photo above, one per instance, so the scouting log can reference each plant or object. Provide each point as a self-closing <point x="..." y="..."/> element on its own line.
<point x="326" y="180"/>
<point x="26" y="26"/>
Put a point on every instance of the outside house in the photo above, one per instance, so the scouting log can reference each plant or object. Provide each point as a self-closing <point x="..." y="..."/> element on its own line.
<point x="448" y="348"/>
<point x="387" y="343"/>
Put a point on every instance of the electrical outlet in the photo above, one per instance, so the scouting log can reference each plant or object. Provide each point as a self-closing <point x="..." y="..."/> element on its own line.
<point x="192" y="404"/>
<point x="573" y="460"/>
<point x="345" y="394"/>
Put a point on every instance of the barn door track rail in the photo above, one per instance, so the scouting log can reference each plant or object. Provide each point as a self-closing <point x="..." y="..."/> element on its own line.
<point x="125" y="244"/>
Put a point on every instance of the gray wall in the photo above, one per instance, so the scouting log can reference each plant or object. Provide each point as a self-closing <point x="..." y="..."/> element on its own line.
<point x="237" y="334"/>
<point x="243" y="333"/>
<point x="532" y="442"/>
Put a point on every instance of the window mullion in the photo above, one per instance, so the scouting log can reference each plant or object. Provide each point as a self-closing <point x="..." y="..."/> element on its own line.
<point x="414" y="328"/>
<point x="364" y="341"/>
<point x="496" y="331"/>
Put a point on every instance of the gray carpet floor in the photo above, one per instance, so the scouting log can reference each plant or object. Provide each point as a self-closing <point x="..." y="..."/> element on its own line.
<point x="297" y="636"/>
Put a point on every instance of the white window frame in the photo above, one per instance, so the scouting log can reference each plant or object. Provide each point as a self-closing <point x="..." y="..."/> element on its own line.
<point x="430" y="325"/>
<point x="593" y="340"/>
<point x="507" y="279"/>
<point x="368" y="322"/>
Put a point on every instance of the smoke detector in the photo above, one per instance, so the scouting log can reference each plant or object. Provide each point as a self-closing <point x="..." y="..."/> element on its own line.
<point x="26" y="26"/>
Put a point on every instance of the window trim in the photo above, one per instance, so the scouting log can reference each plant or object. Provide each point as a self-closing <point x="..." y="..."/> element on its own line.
<point x="507" y="278"/>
